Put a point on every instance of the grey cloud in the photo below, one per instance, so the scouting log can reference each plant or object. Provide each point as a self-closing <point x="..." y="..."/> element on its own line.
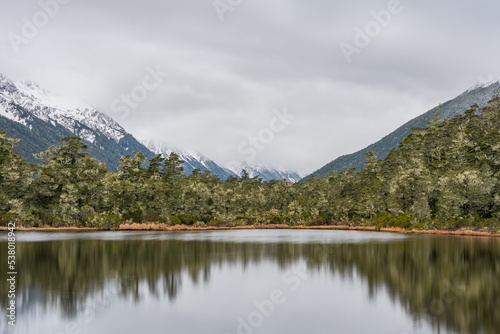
<point x="227" y="76"/>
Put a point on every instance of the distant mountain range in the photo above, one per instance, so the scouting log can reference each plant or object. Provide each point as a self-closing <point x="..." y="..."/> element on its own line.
<point x="41" y="119"/>
<point x="192" y="160"/>
<point x="479" y="94"/>
<point x="196" y="160"/>
<point x="265" y="173"/>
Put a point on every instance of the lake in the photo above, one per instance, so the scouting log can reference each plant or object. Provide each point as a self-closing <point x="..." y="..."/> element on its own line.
<point x="252" y="281"/>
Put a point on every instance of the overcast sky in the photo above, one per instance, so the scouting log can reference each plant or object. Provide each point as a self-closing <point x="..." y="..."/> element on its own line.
<point x="347" y="78"/>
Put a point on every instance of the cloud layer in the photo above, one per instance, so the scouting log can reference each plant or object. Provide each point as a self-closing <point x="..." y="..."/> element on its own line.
<point x="226" y="78"/>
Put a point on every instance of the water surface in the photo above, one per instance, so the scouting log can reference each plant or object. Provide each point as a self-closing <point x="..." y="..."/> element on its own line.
<point x="253" y="281"/>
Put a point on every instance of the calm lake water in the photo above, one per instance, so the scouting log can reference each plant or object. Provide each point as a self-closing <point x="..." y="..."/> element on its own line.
<point x="252" y="281"/>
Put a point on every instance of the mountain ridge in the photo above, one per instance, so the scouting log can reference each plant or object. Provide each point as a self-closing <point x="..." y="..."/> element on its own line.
<point x="479" y="94"/>
<point x="197" y="160"/>
<point x="264" y="172"/>
<point x="192" y="160"/>
<point x="41" y="119"/>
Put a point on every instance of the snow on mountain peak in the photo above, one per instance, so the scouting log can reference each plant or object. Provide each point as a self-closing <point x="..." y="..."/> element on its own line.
<point x="196" y="160"/>
<point x="23" y="101"/>
<point x="161" y="148"/>
<point x="266" y="173"/>
<point x="32" y="86"/>
<point x="3" y="78"/>
<point x="6" y="84"/>
<point x="484" y="82"/>
<point x="45" y="97"/>
<point x="77" y="117"/>
<point x="157" y="147"/>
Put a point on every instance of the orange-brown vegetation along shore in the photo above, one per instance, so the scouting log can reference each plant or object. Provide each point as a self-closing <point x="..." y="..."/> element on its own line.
<point x="49" y="229"/>
<point x="165" y="227"/>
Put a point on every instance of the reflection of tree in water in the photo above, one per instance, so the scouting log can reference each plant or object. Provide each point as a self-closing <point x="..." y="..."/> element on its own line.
<point x="448" y="281"/>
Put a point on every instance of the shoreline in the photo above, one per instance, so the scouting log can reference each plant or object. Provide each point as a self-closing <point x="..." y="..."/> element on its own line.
<point x="180" y="228"/>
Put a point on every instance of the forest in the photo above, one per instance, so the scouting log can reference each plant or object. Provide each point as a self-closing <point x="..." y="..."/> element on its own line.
<point x="444" y="176"/>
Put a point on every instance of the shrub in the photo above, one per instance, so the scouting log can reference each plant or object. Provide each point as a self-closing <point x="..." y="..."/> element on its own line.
<point x="85" y="212"/>
<point x="64" y="221"/>
<point x="105" y="221"/>
<point x="174" y="220"/>
<point x="306" y="216"/>
<point x="135" y="215"/>
<point x="187" y="219"/>
<point x="401" y="221"/>
<point x="245" y="220"/>
<point x="276" y="219"/>
<point x="24" y="219"/>
<point x="319" y="220"/>
<point x="235" y="223"/>
<point x="205" y="218"/>
<point x="215" y="222"/>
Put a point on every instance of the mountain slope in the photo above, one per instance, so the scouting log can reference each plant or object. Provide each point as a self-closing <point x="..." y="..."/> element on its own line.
<point x="40" y="119"/>
<point x="265" y="173"/>
<point x="192" y="160"/>
<point x="479" y="94"/>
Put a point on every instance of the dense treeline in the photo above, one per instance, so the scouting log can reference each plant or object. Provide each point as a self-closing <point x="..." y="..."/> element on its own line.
<point x="442" y="176"/>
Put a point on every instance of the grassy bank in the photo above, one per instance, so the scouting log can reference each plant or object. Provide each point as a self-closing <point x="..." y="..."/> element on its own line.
<point x="173" y="228"/>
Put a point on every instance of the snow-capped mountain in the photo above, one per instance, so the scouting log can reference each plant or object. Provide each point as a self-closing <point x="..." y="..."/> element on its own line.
<point x="54" y="109"/>
<point x="264" y="172"/>
<point x="484" y="83"/>
<point x="41" y="119"/>
<point x="192" y="160"/>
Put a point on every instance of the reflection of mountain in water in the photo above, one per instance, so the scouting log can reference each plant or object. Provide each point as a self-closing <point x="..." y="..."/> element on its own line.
<point x="447" y="281"/>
